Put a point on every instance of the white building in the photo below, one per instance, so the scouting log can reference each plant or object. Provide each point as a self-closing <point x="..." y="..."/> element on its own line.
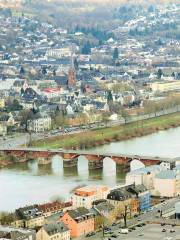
<point x="85" y="196"/>
<point x="167" y="184"/>
<point x="39" y="123"/>
<point x="58" y="53"/>
<point x="144" y="175"/>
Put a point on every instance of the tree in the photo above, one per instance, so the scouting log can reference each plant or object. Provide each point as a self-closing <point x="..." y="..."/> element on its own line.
<point x="22" y="71"/>
<point x="76" y="65"/>
<point x="15" y="106"/>
<point x="57" y="198"/>
<point x="159" y="73"/>
<point x="109" y="96"/>
<point x="115" y="54"/>
<point x="24" y="114"/>
<point x="105" y="118"/>
<point x="54" y="72"/>
<point x="124" y="114"/>
<point x="44" y="71"/>
<point x="127" y="210"/>
<point x="59" y="120"/>
<point x="6" y="218"/>
<point x="86" y="49"/>
<point x="22" y="91"/>
<point x="173" y="75"/>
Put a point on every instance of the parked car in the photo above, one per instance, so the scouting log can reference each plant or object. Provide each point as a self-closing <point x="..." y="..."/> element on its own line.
<point x="124" y="230"/>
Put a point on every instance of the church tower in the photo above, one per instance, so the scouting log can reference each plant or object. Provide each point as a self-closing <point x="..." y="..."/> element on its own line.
<point x="72" y="74"/>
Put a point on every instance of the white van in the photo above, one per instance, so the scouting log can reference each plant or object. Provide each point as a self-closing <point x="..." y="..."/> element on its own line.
<point x="124" y="230"/>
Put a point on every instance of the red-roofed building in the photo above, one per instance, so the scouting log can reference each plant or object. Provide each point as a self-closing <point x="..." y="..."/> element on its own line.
<point x="54" y="207"/>
<point x="52" y="92"/>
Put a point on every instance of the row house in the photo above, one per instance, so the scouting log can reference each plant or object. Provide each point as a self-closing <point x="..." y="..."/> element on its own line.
<point x="53" y="231"/>
<point x="132" y="198"/>
<point x="80" y="221"/>
<point x="54" y="207"/>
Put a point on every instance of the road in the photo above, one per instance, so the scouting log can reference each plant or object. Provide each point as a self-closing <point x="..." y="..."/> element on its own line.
<point x="23" y="138"/>
<point x="20" y="139"/>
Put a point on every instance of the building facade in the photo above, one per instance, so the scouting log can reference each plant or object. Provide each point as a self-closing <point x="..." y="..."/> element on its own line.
<point x="39" y="123"/>
<point x="53" y="231"/>
<point x="80" y="221"/>
<point x="85" y="196"/>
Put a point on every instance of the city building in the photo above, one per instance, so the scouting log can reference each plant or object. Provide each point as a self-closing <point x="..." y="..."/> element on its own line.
<point x="3" y="129"/>
<point x="52" y="231"/>
<point x="54" y="207"/>
<point x="165" y="86"/>
<point x="80" y="221"/>
<point x="85" y="196"/>
<point x="167" y="184"/>
<point x="144" y="175"/>
<point x="29" y="217"/>
<point x="2" y="103"/>
<point x="132" y="198"/>
<point x="177" y="210"/>
<point x="39" y="122"/>
<point x="16" y="233"/>
<point x="104" y="212"/>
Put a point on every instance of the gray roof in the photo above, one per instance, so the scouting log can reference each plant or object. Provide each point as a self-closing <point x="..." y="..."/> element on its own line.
<point x="104" y="206"/>
<point x="54" y="228"/>
<point x="129" y="191"/>
<point x="167" y="174"/>
<point x="80" y="214"/>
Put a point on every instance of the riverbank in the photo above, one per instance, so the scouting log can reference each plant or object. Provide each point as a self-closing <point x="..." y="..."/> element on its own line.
<point x="103" y="136"/>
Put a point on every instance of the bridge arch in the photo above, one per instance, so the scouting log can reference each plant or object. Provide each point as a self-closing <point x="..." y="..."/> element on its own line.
<point x="136" y="164"/>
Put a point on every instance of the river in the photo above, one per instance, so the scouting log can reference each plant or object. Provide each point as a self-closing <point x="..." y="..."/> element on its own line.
<point x="26" y="183"/>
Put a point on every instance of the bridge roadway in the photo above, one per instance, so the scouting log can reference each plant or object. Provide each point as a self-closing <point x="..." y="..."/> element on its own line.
<point x="87" y="153"/>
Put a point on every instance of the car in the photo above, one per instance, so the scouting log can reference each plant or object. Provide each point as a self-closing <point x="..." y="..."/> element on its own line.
<point x="107" y="228"/>
<point x="133" y="228"/>
<point x="173" y="225"/>
<point x="139" y="219"/>
<point x="164" y="230"/>
<point x="163" y="224"/>
<point x="114" y="224"/>
<point x="172" y="231"/>
<point x="114" y="236"/>
<point x="140" y="234"/>
<point x="139" y="225"/>
<point x="90" y="234"/>
<point x="143" y="224"/>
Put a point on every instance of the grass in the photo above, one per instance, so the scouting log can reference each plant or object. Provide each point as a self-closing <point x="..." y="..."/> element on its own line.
<point x="118" y="133"/>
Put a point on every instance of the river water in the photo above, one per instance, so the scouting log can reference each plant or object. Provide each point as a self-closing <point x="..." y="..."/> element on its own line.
<point x="26" y="183"/>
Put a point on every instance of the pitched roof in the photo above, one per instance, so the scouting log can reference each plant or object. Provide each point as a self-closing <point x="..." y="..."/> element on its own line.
<point x="80" y="214"/>
<point x="167" y="174"/>
<point x="54" y="228"/>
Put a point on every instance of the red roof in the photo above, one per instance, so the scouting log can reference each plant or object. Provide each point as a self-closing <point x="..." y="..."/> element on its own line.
<point x="48" y="207"/>
<point x="51" y="90"/>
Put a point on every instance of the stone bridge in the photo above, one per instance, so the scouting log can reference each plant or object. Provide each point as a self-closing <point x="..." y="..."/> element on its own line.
<point x="70" y="157"/>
